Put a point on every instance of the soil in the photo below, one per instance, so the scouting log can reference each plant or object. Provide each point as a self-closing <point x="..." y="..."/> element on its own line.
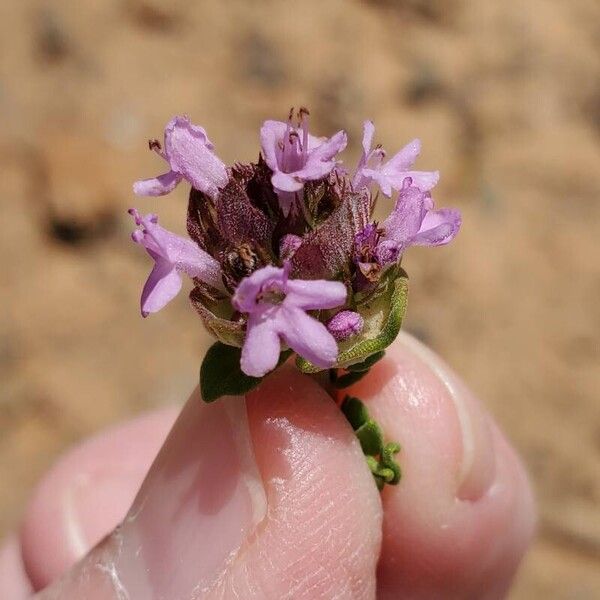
<point x="506" y="99"/>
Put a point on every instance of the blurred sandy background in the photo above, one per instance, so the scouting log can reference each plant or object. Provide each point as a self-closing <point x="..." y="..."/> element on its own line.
<point x="506" y="98"/>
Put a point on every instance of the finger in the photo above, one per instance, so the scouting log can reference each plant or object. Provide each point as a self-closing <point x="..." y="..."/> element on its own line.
<point x="266" y="501"/>
<point x="459" y="522"/>
<point x="87" y="493"/>
<point x="14" y="583"/>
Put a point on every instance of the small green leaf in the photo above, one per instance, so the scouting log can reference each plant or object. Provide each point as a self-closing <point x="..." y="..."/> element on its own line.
<point x="355" y="411"/>
<point x="388" y="460"/>
<point x="343" y="381"/>
<point x="370" y="437"/>
<point x="221" y="374"/>
<point x="380" y="458"/>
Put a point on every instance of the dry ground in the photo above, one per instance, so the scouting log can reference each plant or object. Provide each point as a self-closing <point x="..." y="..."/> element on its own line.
<point x="506" y="98"/>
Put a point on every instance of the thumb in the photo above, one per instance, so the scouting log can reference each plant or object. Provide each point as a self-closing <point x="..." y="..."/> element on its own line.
<point x="263" y="498"/>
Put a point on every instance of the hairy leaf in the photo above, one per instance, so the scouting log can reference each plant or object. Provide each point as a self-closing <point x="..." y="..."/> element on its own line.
<point x="227" y="331"/>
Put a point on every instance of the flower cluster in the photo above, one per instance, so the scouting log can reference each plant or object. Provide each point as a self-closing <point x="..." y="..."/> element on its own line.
<point x="284" y="253"/>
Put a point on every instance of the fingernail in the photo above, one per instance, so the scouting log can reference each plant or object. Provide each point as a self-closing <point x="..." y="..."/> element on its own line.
<point x="92" y="500"/>
<point x="201" y="500"/>
<point x="477" y="467"/>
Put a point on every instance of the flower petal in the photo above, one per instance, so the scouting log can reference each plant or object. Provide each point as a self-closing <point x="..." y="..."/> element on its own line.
<point x="377" y="175"/>
<point x="286" y="182"/>
<point x="271" y="135"/>
<point x="189" y="152"/>
<point x="194" y="261"/>
<point x="330" y="147"/>
<point x="157" y="186"/>
<point x="439" y="227"/>
<point x="404" y="222"/>
<point x="367" y="140"/>
<point x="261" y="349"/>
<point x="244" y="298"/>
<point x="315" y="294"/>
<point x="425" y="180"/>
<point x="306" y="336"/>
<point x="180" y="253"/>
<point x="405" y="158"/>
<point x="162" y="285"/>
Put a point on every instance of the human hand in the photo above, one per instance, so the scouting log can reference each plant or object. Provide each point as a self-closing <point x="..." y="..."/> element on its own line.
<point x="303" y="518"/>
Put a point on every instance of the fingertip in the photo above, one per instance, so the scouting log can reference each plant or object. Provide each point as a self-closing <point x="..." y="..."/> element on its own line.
<point x="86" y="494"/>
<point x="14" y="583"/>
<point x="462" y="517"/>
<point x="323" y="527"/>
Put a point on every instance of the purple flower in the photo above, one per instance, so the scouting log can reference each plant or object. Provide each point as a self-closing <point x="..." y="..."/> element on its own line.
<point x="414" y="222"/>
<point x="345" y="324"/>
<point x="276" y="308"/>
<point x="172" y="255"/>
<point x="295" y="156"/>
<point x="189" y="153"/>
<point x="390" y="175"/>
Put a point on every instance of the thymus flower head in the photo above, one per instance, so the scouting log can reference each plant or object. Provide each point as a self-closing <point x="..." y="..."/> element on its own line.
<point x="283" y="253"/>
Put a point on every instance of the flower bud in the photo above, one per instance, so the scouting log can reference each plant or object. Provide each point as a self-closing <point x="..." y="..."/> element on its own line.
<point x="345" y="324"/>
<point x="288" y="245"/>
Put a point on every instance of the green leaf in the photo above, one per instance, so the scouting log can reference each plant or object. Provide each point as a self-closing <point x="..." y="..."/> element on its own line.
<point x="383" y="318"/>
<point x="355" y="411"/>
<point x="388" y="460"/>
<point x="221" y="374"/>
<point x="343" y="381"/>
<point x="380" y="458"/>
<point x="370" y="437"/>
<point x="228" y="332"/>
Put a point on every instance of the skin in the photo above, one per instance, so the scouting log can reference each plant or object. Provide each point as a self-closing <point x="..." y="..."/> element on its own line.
<point x="291" y="510"/>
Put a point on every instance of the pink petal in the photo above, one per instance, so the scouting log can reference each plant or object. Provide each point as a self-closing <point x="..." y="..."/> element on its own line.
<point x="286" y="182"/>
<point x="330" y="147"/>
<point x="162" y="286"/>
<point x="194" y="261"/>
<point x="316" y="294"/>
<point x="271" y="134"/>
<point x="244" y="298"/>
<point x="189" y="152"/>
<point x="405" y="220"/>
<point x="425" y="180"/>
<point x="439" y="227"/>
<point x="367" y="140"/>
<point x="306" y="336"/>
<point x="261" y="349"/>
<point x="381" y="178"/>
<point x="157" y="186"/>
<point x="405" y="159"/>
